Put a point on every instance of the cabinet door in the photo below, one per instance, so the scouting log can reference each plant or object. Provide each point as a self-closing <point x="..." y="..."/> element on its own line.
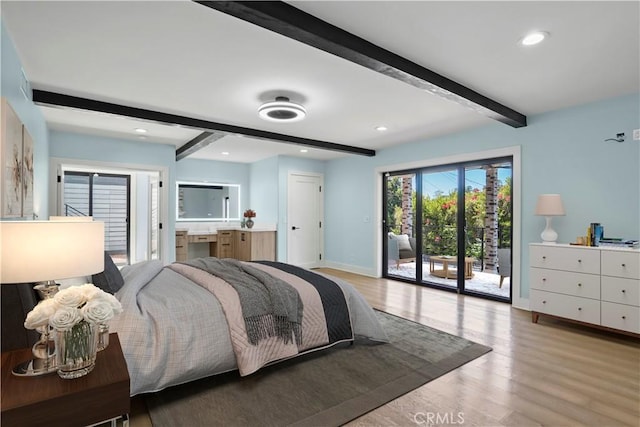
<point x="243" y="245"/>
<point x="226" y="244"/>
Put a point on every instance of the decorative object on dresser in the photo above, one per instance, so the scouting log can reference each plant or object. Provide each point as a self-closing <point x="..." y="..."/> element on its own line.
<point x="76" y="315"/>
<point x="595" y="286"/>
<point x="549" y="205"/>
<point x="249" y="214"/>
<point x="36" y="251"/>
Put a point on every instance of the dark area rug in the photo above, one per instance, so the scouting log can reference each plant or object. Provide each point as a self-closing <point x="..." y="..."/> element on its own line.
<point x="326" y="388"/>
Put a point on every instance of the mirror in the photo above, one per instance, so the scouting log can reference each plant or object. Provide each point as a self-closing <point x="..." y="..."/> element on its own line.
<point x="203" y="201"/>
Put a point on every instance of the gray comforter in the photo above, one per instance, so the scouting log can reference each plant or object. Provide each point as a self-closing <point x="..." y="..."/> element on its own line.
<point x="173" y="331"/>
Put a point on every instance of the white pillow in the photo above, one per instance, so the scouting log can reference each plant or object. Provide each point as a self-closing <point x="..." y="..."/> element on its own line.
<point x="403" y="242"/>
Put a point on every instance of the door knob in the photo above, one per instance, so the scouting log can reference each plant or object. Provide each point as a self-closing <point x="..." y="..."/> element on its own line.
<point x="293" y="227"/>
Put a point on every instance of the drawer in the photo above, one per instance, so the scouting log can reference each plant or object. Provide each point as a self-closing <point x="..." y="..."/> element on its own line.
<point x="621" y="264"/>
<point x="619" y="316"/>
<point x="622" y="291"/>
<point x="576" y="308"/>
<point x="565" y="282"/>
<point x="181" y="237"/>
<point x="568" y="258"/>
<point x="202" y="238"/>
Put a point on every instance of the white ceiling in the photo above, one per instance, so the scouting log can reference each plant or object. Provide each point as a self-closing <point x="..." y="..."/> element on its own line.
<point x="182" y="58"/>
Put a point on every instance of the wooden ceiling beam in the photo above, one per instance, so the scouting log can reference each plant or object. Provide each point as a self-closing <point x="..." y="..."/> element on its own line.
<point x="60" y="100"/>
<point x="291" y="22"/>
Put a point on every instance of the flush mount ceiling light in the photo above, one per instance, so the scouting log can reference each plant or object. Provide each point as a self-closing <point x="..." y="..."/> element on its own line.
<point x="381" y="128"/>
<point x="534" y="38"/>
<point x="282" y="110"/>
<point x="140" y="130"/>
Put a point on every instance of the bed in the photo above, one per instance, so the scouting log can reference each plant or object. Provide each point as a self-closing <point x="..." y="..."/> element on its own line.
<point x="187" y="321"/>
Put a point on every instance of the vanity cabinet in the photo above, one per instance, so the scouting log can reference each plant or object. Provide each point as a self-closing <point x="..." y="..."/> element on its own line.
<point x="226" y="244"/>
<point x="255" y="245"/>
<point x="597" y="286"/>
<point x="182" y="245"/>
<point x="239" y="244"/>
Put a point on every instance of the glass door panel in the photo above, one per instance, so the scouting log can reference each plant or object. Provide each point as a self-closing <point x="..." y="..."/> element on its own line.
<point x="400" y="215"/>
<point x="440" y="227"/>
<point x="487" y="204"/>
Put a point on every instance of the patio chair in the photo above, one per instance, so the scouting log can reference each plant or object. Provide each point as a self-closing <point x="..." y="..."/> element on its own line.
<point x="401" y="248"/>
<point x="504" y="263"/>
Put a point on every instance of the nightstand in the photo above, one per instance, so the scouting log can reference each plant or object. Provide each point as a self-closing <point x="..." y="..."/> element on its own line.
<point x="49" y="400"/>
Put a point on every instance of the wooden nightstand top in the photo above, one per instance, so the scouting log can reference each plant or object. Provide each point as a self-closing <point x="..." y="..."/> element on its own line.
<point x="52" y="401"/>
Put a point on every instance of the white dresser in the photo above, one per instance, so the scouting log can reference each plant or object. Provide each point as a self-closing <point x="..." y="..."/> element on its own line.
<point x="598" y="286"/>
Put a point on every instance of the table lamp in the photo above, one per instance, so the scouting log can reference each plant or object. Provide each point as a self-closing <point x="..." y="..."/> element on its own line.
<point x="549" y="205"/>
<point x="45" y="251"/>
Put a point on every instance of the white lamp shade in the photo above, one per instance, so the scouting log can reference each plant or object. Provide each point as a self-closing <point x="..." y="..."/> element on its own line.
<point x="549" y="205"/>
<point x="35" y="251"/>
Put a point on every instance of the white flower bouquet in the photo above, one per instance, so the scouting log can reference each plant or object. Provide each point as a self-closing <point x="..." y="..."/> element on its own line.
<point x="73" y="305"/>
<point x="75" y="313"/>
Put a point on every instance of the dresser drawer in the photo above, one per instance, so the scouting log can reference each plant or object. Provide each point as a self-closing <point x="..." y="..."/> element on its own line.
<point x="576" y="308"/>
<point x="622" y="291"/>
<point x="565" y="282"/>
<point x="620" y="316"/>
<point x="621" y="264"/>
<point x="567" y="258"/>
<point x="202" y="238"/>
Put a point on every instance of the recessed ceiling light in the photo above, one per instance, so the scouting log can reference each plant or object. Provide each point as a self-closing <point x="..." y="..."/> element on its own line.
<point x="140" y="130"/>
<point x="282" y="110"/>
<point x="225" y="153"/>
<point x="534" y="38"/>
<point x="381" y="128"/>
<point x="303" y="150"/>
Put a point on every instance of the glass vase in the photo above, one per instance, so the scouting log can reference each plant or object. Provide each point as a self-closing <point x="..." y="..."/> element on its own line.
<point x="76" y="350"/>
<point x="249" y="223"/>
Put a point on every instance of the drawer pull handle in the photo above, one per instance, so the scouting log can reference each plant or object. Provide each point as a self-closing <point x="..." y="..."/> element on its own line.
<point x="624" y="317"/>
<point x="623" y="291"/>
<point x="544" y="279"/>
<point x="624" y="265"/>
<point x="579" y="284"/>
<point x="180" y="246"/>
<point x="544" y="257"/>
<point x="579" y="260"/>
<point x="579" y="308"/>
<point x="544" y="302"/>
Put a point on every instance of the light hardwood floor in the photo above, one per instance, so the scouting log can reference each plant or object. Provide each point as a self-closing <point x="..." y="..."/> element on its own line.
<point x="552" y="373"/>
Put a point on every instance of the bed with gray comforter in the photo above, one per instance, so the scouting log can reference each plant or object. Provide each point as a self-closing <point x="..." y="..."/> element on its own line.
<point x="187" y="321"/>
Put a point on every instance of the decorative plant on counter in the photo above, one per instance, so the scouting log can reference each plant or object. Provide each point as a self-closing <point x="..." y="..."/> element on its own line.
<point x="75" y="314"/>
<point x="249" y="213"/>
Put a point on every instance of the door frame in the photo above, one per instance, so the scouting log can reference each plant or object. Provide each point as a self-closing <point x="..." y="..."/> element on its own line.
<point x="516" y="243"/>
<point x="166" y="236"/>
<point x="320" y="177"/>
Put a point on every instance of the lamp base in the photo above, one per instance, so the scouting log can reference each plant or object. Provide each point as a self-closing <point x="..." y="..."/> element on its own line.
<point x="549" y="236"/>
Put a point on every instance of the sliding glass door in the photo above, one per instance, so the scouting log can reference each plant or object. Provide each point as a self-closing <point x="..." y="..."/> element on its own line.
<point x="458" y="217"/>
<point x="400" y="247"/>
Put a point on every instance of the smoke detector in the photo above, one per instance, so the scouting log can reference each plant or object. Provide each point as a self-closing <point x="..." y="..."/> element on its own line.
<point x="282" y="110"/>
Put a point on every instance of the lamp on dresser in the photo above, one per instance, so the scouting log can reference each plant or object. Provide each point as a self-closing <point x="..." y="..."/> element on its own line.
<point x="45" y="251"/>
<point x="549" y="205"/>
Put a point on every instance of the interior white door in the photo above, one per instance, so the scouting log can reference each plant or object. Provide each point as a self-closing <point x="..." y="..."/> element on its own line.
<point x="304" y="225"/>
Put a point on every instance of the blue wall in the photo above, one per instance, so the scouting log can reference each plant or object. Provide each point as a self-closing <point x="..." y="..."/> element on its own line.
<point x="31" y="117"/>
<point x="562" y="152"/>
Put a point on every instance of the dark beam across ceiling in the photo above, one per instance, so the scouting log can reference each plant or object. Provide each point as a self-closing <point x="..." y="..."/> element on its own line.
<point x="291" y="22"/>
<point x="198" y="143"/>
<point x="218" y="129"/>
